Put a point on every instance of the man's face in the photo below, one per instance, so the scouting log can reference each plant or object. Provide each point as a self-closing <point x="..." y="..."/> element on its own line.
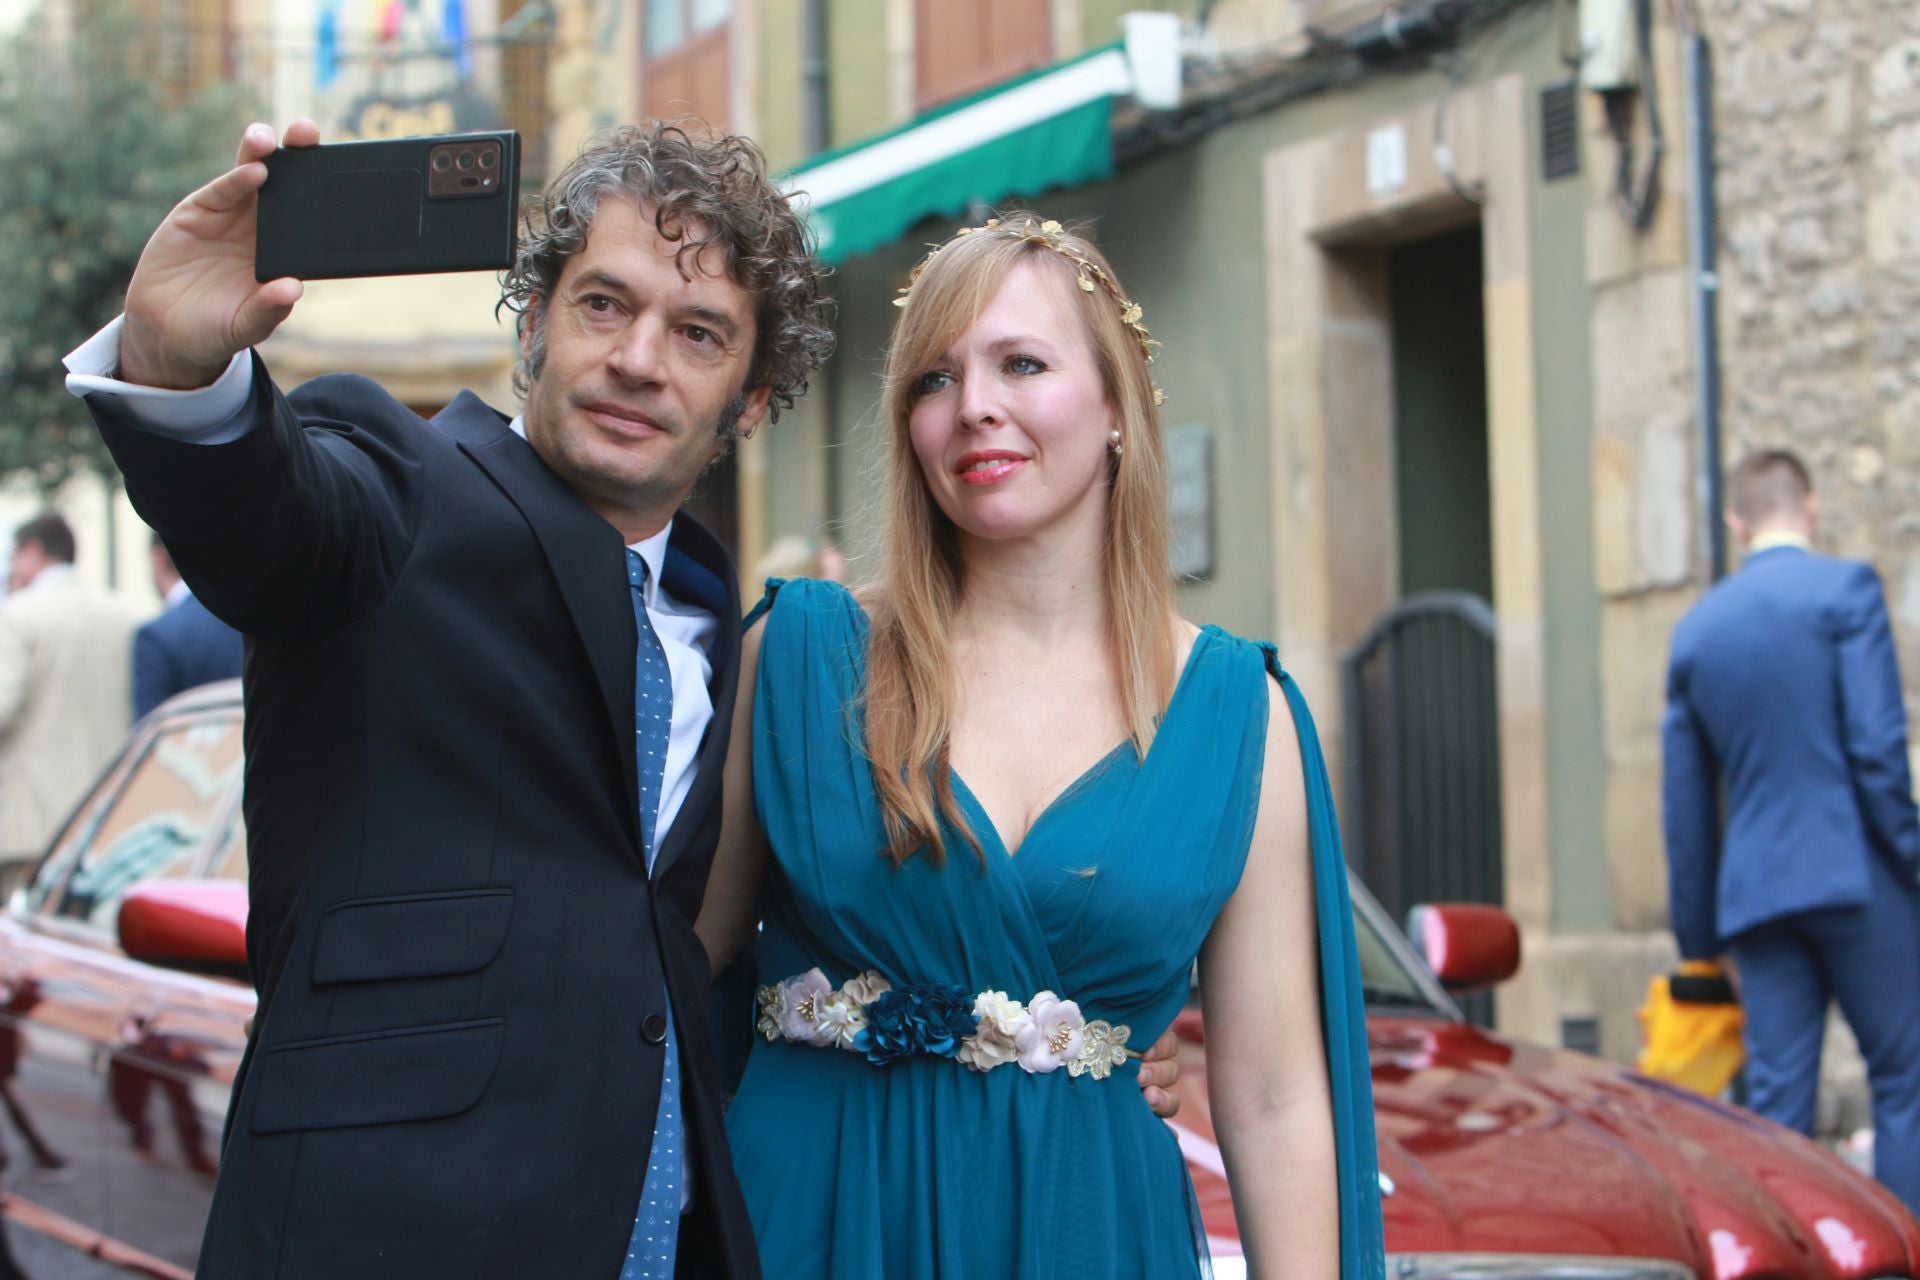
<point x="640" y="366"/>
<point x="29" y="558"/>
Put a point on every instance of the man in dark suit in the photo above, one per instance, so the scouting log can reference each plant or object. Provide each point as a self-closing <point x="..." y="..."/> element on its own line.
<point x="488" y="698"/>
<point x="1783" y="690"/>
<point x="185" y="646"/>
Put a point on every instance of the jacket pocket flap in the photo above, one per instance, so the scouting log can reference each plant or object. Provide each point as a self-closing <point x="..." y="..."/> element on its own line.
<point x="426" y="935"/>
<point x="417" y="1073"/>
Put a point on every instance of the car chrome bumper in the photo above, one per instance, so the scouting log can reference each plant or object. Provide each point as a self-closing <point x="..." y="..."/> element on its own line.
<point x="1503" y="1266"/>
<point x="1530" y="1266"/>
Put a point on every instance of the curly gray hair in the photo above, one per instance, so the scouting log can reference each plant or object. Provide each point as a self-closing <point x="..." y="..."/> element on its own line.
<point x="702" y="191"/>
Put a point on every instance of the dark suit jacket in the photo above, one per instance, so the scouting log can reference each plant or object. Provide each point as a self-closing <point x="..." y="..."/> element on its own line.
<point x="1783" y="687"/>
<point x="184" y="647"/>
<point x="462" y="963"/>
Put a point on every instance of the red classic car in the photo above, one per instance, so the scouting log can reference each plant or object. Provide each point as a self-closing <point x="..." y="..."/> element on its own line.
<point x="123" y="1014"/>
<point x="1501" y="1159"/>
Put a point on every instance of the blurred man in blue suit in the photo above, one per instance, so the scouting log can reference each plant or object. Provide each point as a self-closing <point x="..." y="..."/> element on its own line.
<point x="183" y="647"/>
<point x="1783" y="691"/>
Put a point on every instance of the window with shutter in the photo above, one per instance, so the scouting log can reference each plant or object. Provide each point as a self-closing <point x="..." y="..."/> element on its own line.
<point x="961" y="48"/>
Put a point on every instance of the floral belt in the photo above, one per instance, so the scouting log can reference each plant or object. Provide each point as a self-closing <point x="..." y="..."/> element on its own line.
<point x="870" y="1015"/>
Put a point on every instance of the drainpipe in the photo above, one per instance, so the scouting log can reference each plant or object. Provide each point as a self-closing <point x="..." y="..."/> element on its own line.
<point x="815" y="132"/>
<point x="813" y="76"/>
<point x="1703" y="243"/>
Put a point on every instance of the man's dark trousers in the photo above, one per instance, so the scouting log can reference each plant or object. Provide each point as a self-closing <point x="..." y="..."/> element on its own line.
<point x="1783" y="689"/>
<point x="1790" y="969"/>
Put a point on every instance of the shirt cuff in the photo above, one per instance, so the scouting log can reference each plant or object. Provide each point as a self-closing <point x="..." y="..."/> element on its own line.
<point x="214" y="414"/>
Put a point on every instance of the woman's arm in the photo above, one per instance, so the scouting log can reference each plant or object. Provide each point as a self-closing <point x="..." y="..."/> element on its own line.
<point x="1266" y="1056"/>
<point x="731" y="909"/>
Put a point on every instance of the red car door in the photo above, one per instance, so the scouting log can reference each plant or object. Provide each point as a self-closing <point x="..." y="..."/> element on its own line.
<point x="82" y="1022"/>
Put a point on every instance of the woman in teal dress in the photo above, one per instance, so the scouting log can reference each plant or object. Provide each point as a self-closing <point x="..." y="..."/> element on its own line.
<point x="991" y="810"/>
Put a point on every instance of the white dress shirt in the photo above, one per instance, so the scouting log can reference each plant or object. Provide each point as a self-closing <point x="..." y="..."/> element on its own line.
<point x="215" y="414"/>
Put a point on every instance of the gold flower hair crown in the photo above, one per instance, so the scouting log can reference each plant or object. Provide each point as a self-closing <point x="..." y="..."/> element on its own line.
<point x="1087" y="273"/>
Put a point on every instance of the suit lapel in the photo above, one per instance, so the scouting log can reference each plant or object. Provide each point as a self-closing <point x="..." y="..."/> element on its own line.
<point x="699" y="571"/>
<point x="587" y="559"/>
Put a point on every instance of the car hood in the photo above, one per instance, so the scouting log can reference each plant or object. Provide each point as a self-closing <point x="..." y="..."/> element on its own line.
<point x="1491" y="1147"/>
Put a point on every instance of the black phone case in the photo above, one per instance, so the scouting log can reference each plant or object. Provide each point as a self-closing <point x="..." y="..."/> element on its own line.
<point x="363" y="209"/>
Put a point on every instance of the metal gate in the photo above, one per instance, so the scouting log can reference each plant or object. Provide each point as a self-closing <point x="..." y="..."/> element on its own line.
<point x="1422" y="796"/>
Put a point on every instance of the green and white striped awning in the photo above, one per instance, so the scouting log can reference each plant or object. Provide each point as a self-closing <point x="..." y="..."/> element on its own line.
<point x="1048" y="129"/>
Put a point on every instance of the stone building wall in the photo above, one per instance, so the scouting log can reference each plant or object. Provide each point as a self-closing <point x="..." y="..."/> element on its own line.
<point x="1819" y="182"/>
<point x="1817" y="105"/>
<point x="1817" y="117"/>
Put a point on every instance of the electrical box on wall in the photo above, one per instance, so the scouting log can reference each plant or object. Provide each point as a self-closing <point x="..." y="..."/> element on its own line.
<point x="1607" y="45"/>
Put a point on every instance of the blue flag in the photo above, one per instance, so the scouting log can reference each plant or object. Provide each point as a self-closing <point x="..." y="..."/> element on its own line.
<point x="453" y="28"/>
<point x="326" y="47"/>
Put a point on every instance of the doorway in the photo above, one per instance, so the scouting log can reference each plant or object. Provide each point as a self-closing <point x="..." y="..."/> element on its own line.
<point x="1437" y="325"/>
<point x="1423" y="796"/>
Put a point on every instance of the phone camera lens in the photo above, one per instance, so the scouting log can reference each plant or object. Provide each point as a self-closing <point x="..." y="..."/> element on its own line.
<point x="466" y="160"/>
<point x="488" y="159"/>
<point x="442" y="161"/>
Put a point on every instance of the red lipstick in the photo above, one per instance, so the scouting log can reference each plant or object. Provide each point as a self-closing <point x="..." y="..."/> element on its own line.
<point x="987" y="466"/>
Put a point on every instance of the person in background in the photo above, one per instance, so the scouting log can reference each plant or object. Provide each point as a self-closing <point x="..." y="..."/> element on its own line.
<point x="795" y="556"/>
<point x="65" y="688"/>
<point x="1783" y="689"/>
<point x="185" y="646"/>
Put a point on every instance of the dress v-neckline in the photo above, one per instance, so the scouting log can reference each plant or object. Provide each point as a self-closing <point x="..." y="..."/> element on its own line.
<point x="1086" y="775"/>
<point x="1097" y="768"/>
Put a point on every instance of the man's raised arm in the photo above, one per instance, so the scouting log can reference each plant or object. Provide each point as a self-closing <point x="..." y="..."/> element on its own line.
<point x="193" y="303"/>
<point x="279" y="529"/>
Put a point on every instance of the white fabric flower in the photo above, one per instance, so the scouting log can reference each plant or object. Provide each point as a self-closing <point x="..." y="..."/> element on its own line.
<point x="866" y="988"/>
<point x="841" y="1020"/>
<point x="1052" y="1034"/>
<point x="799" y="1018"/>
<point x="1005" y="1014"/>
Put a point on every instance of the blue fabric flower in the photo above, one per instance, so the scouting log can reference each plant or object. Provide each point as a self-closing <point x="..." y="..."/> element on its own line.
<point x="928" y="1018"/>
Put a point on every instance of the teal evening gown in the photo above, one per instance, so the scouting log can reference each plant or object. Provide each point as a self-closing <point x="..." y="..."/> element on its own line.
<point x="922" y="1167"/>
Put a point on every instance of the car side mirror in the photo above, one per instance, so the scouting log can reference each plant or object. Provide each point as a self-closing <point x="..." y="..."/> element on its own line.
<point x="196" y="925"/>
<point x="1469" y="945"/>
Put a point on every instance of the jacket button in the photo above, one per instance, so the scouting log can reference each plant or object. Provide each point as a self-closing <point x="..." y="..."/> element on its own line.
<point x="654" y="1028"/>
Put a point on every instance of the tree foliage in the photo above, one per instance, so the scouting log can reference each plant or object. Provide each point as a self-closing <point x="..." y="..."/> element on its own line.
<point x="93" y="153"/>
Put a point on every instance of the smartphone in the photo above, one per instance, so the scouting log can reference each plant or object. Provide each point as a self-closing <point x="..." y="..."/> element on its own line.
<point x="407" y="206"/>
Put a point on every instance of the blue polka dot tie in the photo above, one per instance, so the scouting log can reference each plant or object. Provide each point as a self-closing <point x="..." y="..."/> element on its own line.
<point x="657" y="1222"/>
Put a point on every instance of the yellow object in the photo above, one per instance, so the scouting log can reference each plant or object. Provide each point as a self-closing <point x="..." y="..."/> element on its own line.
<point x="1696" y="1046"/>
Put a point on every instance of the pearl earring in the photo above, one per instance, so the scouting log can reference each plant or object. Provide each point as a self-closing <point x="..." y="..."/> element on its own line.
<point x="1113" y="442"/>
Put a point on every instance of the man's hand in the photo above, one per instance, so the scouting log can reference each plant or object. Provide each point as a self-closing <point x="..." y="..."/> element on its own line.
<point x="1159" y="1072"/>
<point x="193" y="301"/>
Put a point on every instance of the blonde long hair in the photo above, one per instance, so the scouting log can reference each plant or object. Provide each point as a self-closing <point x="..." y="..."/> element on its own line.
<point x="909" y="698"/>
